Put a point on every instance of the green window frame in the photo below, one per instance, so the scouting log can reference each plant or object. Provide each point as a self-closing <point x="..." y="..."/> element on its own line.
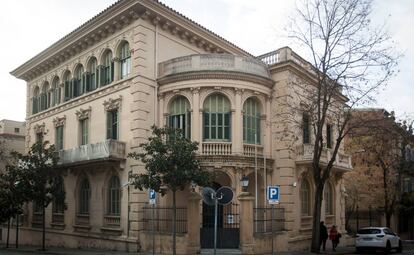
<point x="328" y="194"/>
<point x="125" y="59"/>
<point x="251" y="121"/>
<point x="114" y="196"/>
<point x="59" y="138"/>
<point x="305" y="198"/>
<point x="306" y="128"/>
<point x="180" y="115"/>
<point x="217" y="119"/>
<point x="107" y="69"/>
<point x="329" y="136"/>
<point x="84" y="197"/>
<point x="84" y="131"/>
<point x="112" y="125"/>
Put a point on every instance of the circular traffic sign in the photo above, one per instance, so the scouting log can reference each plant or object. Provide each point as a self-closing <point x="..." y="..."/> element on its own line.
<point x="224" y="195"/>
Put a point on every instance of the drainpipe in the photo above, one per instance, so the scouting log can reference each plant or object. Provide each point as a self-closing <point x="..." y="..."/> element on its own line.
<point x="156" y="121"/>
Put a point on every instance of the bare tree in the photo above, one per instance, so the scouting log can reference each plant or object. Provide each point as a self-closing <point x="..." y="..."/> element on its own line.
<point x="350" y="60"/>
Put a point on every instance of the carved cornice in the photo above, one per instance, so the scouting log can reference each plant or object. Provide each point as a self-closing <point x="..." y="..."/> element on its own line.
<point x="59" y="121"/>
<point x="83" y="114"/>
<point x="113" y="104"/>
<point x="39" y="128"/>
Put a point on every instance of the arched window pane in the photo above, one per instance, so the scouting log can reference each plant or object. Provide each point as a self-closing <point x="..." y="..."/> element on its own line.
<point x="251" y="121"/>
<point x="217" y="118"/>
<point x="36" y="101"/>
<point x="179" y="115"/>
<point x="84" y="196"/>
<point x="125" y="59"/>
<point x="107" y="70"/>
<point x="68" y="86"/>
<point x="305" y="198"/>
<point x="78" y="82"/>
<point x="56" y="92"/>
<point x="92" y="77"/>
<point x="114" y="196"/>
<point x="328" y="194"/>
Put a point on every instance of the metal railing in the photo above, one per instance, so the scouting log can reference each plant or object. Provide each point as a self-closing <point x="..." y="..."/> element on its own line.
<point x="162" y="219"/>
<point x="268" y="219"/>
<point x="112" y="221"/>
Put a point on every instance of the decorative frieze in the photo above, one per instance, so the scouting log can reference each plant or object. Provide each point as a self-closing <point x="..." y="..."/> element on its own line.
<point x="83" y="114"/>
<point x="59" y="121"/>
<point x="113" y="104"/>
<point x="39" y="128"/>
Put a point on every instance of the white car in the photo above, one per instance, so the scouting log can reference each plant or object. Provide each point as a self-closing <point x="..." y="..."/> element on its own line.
<point x="377" y="238"/>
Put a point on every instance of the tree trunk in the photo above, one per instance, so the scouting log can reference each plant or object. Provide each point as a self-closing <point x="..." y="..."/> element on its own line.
<point x="8" y="233"/>
<point x="44" y="229"/>
<point x="315" y="246"/>
<point x="17" y="231"/>
<point x="174" y="224"/>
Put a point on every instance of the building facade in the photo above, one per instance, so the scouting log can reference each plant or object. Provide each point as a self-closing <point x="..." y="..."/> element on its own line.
<point x="12" y="135"/>
<point x="96" y="93"/>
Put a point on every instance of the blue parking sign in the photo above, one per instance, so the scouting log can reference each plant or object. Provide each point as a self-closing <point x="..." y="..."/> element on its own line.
<point x="273" y="194"/>
<point x="152" y="195"/>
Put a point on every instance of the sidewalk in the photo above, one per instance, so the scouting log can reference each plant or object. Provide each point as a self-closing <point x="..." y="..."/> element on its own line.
<point x="25" y="250"/>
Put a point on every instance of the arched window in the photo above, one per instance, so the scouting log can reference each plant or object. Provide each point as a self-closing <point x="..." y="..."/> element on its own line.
<point x="56" y="91"/>
<point x="84" y="196"/>
<point x="217" y="118"/>
<point x="44" y="97"/>
<point x="114" y="196"/>
<point x="59" y="199"/>
<point x="305" y="198"/>
<point x="125" y="58"/>
<point x="107" y="69"/>
<point x="36" y="101"/>
<point x="251" y="121"/>
<point x="78" y="82"/>
<point x="180" y="117"/>
<point x="68" y="86"/>
<point x="92" y="77"/>
<point x="328" y="194"/>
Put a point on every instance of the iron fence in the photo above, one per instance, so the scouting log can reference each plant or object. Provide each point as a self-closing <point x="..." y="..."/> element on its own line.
<point x="268" y="219"/>
<point x="160" y="219"/>
<point x="362" y="219"/>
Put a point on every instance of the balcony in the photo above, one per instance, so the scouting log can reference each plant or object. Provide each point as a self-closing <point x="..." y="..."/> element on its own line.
<point x="209" y="63"/>
<point x="106" y="150"/>
<point x="223" y="154"/>
<point x="305" y="155"/>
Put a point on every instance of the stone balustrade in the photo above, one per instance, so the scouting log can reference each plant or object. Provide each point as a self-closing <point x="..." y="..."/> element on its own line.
<point x="305" y="154"/>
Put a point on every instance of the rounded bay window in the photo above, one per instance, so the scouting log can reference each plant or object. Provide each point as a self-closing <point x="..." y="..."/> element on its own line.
<point x="216" y="118"/>
<point x="180" y="115"/>
<point x="251" y="121"/>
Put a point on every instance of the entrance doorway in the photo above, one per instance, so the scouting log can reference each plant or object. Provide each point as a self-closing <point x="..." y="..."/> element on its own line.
<point x="228" y="231"/>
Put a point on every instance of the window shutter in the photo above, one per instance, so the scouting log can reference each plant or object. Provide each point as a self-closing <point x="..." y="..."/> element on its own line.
<point x="112" y="72"/>
<point x="84" y="89"/>
<point x="102" y="75"/>
<point x="188" y="127"/>
<point x="87" y="82"/>
<point x="108" y="125"/>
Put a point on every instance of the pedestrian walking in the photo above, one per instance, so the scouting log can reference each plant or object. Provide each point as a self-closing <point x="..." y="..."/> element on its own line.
<point x="323" y="235"/>
<point x="334" y="236"/>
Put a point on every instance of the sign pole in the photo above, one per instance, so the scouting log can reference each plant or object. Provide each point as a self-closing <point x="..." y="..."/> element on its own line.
<point x="272" y="218"/>
<point x="215" y="224"/>
<point x="153" y="229"/>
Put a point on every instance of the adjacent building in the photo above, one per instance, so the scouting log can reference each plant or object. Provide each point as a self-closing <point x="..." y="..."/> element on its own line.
<point x="96" y="93"/>
<point x="12" y="135"/>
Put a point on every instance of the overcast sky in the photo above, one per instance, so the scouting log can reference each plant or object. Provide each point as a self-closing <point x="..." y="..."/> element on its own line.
<point x="29" y="27"/>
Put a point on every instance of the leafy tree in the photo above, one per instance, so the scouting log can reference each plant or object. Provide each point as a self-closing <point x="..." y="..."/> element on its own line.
<point x="170" y="163"/>
<point x="42" y="177"/>
<point x="350" y="60"/>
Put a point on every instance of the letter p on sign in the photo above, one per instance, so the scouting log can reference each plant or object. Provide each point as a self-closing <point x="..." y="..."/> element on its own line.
<point x="273" y="194"/>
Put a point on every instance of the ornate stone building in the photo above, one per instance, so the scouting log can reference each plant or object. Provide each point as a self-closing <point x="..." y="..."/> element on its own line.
<point x="95" y="94"/>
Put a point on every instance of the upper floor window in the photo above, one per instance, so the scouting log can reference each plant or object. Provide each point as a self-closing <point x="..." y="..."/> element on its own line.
<point x="125" y="58"/>
<point x="329" y="200"/>
<point x="114" y="196"/>
<point x="68" y="86"/>
<point x="305" y="198"/>
<point x="251" y="121"/>
<point x="92" y="77"/>
<point x="180" y="116"/>
<point x="56" y="92"/>
<point x="306" y="127"/>
<point x="44" y="97"/>
<point x="16" y="130"/>
<point x="84" y="196"/>
<point x="39" y="137"/>
<point x="107" y="69"/>
<point x="217" y="118"/>
<point x="84" y="131"/>
<point x="78" y="82"/>
<point x="59" y="199"/>
<point x="36" y="101"/>
<point x="112" y="124"/>
<point x="329" y="136"/>
<point x="59" y="138"/>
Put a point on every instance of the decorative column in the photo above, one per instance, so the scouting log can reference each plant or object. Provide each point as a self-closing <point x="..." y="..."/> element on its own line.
<point x="161" y="113"/>
<point x="193" y="223"/>
<point x="238" y="124"/>
<point x="246" y="223"/>
<point x="117" y="69"/>
<point x="195" y="118"/>
<point x="267" y="125"/>
<point x="62" y="93"/>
